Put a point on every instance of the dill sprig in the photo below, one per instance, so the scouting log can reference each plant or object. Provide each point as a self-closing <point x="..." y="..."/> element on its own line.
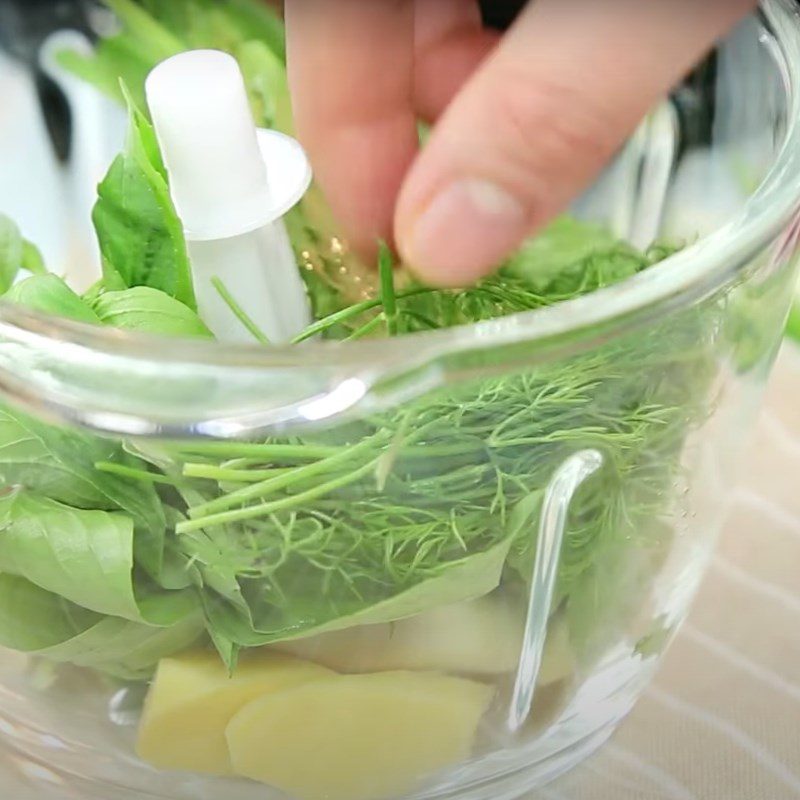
<point x="290" y="534"/>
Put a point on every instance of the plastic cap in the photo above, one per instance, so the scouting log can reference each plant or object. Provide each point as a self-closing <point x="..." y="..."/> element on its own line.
<point x="218" y="177"/>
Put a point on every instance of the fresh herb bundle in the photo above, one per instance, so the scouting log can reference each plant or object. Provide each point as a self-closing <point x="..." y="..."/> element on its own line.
<point x="114" y="555"/>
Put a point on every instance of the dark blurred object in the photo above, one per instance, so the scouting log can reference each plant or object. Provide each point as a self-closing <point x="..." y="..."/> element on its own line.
<point x="24" y="26"/>
<point x="695" y="101"/>
<point x="501" y="13"/>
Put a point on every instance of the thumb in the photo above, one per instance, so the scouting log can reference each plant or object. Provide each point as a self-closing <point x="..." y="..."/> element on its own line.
<point x="538" y="122"/>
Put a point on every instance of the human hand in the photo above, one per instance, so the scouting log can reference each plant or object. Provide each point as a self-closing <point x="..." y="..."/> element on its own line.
<point x="523" y="122"/>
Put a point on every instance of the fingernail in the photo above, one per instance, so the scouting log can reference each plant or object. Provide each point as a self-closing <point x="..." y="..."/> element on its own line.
<point x="466" y="230"/>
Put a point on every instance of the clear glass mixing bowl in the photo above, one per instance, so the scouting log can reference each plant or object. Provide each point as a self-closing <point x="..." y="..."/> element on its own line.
<point x="581" y="456"/>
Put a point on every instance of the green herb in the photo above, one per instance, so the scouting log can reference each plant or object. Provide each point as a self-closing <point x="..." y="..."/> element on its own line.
<point x="433" y="503"/>
<point x="32" y="260"/>
<point x="388" y="296"/>
<point x="16" y="253"/>
<point x="287" y="617"/>
<point x="48" y="294"/>
<point x="38" y="622"/>
<point x="59" y="464"/>
<point x="150" y="311"/>
<point x="140" y="234"/>
<point x="85" y="557"/>
<point x="565" y="245"/>
<point x="238" y="311"/>
<point x="11" y="252"/>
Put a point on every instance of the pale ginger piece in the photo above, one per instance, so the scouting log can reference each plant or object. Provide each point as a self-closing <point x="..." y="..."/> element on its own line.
<point x="558" y="660"/>
<point x="479" y="637"/>
<point x="193" y="699"/>
<point x="358" y="737"/>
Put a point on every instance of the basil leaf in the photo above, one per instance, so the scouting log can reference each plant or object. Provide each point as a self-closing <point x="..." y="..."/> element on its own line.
<point x="59" y="464"/>
<point x="38" y="622"/>
<point x="86" y="557"/>
<point x="49" y="294"/>
<point x="32" y="259"/>
<point x="141" y="237"/>
<point x="11" y="252"/>
<point x="469" y="578"/>
<point x="147" y="310"/>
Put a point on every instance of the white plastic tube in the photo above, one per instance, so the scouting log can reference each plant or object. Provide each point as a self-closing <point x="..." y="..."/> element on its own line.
<point x="231" y="184"/>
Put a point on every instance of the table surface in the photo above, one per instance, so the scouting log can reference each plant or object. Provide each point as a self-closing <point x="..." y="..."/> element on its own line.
<point x="722" y="720"/>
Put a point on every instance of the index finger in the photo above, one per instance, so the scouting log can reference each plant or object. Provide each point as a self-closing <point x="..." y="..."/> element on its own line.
<point x="351" y="68"/>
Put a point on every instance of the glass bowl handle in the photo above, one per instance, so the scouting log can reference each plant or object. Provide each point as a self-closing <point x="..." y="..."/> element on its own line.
<point x="552" y="525"/>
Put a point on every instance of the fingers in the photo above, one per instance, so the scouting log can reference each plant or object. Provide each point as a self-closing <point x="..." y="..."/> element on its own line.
<point x="451" y="43"/>
<point x="539" y="120"/>
<point x="351" y="70"/>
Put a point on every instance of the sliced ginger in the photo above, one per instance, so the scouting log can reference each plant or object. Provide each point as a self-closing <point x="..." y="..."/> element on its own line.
<point x="320" y="735"/>
<point x="478" y="637"/>
<point x="481" y="637"/>
<point x="193" y="699"/>
<point x="357" y="737"/>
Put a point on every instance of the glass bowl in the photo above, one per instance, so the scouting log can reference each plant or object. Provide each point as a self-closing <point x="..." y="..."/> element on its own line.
<point x="447" y="570"/>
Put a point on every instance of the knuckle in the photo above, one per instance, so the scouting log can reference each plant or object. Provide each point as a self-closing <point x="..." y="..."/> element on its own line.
<point x="546" y="127"/>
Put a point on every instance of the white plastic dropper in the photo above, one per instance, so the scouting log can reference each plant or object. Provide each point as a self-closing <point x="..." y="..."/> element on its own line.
<point x="231" y="184"/>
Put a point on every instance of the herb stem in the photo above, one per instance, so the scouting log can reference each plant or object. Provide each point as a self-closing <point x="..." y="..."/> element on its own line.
<point x="214" y="473"/>
<point x="388" y="296"/>
<point x="433" y="451"/>
<point x="135" y="474"/>
<point x="366" y="329"/>
<point x="263" y="509"/>
<point x="266" y="452"/>
<point x="275" y="483"/>
<point x="351" y="312"/>
<point x="239" y="312"/>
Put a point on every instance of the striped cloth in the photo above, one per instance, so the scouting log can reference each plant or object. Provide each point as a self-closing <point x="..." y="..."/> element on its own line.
<point x="722" y="721"/>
